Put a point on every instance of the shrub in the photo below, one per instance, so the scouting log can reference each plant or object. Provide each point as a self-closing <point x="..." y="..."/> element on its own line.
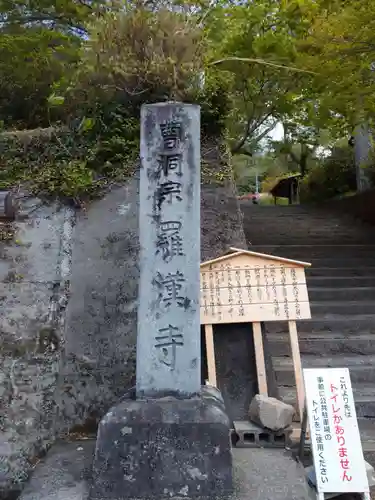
<point x="335" y="176"/>
<point x="130" y="58"/>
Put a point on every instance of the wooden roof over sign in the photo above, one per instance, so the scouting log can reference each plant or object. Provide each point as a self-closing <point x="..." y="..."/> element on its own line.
<point x="234" y="252"/>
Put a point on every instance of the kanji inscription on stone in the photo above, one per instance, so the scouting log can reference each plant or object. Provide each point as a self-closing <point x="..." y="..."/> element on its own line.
<point x="168" y="342"/>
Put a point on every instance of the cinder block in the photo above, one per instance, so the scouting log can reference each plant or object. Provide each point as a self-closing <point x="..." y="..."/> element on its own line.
<point x="250" y="435"/>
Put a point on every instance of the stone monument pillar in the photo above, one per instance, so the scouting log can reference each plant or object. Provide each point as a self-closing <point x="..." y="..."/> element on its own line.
<point x="172" y="439"/>
<point x="169" y="232"/>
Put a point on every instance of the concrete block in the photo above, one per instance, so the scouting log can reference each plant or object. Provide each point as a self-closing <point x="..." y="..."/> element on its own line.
<point x="271" y="413"/>
<point x="250" y="435"/>
<point x="165" y="447"/>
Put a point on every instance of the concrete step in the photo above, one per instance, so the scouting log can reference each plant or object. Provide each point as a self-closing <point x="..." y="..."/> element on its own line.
<point x="306" y="225"/>
<point x="265" y="208"/>
<point x="332" y="261"/>
<point x="364" y="397"/>
<point x="320" y="294"/>
<point x="340" y="272"/>
<point x="321" y="221"/>
<point x="278" y="212"/>
<point x="355" y="324"/>
<point x="309" y="251"/>
<point x="362" y="368"/>
<point x="337" y="282"/>
<point x="308" y="221"/>
<point x="277" y="237"/>
<point x="284" y="211"/>
<point x="274" y="238"/>
<point x="344" y="307"/>
<point x="319" y="344"/>
<point x="306" y="228"/>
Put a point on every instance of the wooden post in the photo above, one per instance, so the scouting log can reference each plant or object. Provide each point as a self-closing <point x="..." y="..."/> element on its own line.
<point x="297" y="365"/>
<point x="259" y="359"/>
<point x="210" y="353"/>
<point x="302" y="439"/>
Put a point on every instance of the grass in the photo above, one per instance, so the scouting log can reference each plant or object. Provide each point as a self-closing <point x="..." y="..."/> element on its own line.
<point x="268" y="199"/>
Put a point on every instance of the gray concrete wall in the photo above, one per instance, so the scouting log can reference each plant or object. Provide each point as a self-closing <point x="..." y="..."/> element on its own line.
<point x="101" y="317"/>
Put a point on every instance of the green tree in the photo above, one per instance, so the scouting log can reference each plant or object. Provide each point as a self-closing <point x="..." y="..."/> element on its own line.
<point x="339" y="48"/>
<point x="31" y="61"/>
<point x="256" y="44"/>
<point x="62" y="15"/>
<point x="39" y="46"/>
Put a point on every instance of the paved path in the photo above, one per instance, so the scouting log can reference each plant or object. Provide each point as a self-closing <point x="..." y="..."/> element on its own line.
<point x="259" y="474"/>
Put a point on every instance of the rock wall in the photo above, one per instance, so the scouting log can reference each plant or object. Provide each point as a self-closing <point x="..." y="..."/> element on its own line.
<point x="100" y="338"/>
<point x="60" y="367"/>
<point x="32" y="297"/>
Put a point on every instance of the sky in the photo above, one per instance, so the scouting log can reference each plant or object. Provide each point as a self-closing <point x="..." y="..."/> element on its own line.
<point x="277" y="133"/>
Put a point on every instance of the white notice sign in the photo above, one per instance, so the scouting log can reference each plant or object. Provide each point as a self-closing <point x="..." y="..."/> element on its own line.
<point x="336" y="444"/>
<point x="245" y="287"/>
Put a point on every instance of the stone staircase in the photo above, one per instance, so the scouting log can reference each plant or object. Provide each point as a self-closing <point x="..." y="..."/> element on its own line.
<point x="341" y="285"/>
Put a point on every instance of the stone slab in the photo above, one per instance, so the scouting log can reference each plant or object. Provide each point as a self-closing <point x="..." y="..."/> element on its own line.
<point x="164" y="447"/>
<point x="259" y="474"/>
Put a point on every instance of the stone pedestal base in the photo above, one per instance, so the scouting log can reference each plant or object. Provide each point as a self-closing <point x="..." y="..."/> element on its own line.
<point x="165" y="447"/>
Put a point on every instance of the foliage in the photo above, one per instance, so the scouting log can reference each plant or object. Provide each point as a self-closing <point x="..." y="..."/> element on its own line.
<point x="39" y="46"/>
<point x="334" y="177"/>
<point x="100" y="101"/>
<point x="133" y="53"/>
<point x="62" y="15"/>
<point x="31" y="60"/>
<point x="339" y="48"/>
<point x="69" y="163"/>
<point x="260" y="94"/>
<point x="266" y="166"/>
<point x="91" y="64"/>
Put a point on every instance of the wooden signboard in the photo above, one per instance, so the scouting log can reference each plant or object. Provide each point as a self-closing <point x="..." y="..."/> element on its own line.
<point x="251" y="287"/>
<point x="335" y="440"/>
